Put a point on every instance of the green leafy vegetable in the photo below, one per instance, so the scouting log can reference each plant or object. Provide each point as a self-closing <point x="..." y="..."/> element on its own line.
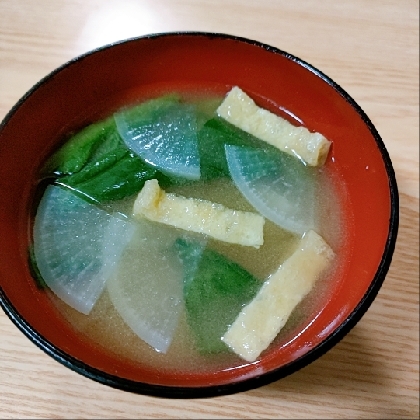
<point x="119" y="178"/>
<point x="215" y="290"/>
<point x="96" y="166"/>
<point x="112" y="171"/>
<point x="75" y="153"/>
<point x="212" y="138"/>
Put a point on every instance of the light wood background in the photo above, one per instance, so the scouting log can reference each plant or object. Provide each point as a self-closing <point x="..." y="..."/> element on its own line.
<point x="370" y="48"/>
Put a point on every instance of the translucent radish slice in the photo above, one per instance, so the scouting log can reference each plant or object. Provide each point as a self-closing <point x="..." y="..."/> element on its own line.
<point x="146" y="289"/>
<point x="76" y="246"/>
<point x="279" y="186"/>
<point x="168" y="141"/>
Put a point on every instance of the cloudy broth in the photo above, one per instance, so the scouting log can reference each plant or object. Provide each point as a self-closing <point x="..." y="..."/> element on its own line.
<point x="105" y="327"/>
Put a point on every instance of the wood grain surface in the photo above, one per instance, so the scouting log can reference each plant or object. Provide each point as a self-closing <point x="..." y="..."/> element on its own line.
<point x="371" y="49"/>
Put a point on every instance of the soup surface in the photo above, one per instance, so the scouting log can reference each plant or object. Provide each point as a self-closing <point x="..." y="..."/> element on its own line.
<point x="178" y="139"/>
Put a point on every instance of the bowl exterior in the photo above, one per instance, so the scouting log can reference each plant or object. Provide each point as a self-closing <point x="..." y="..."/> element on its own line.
<point x="96" y="84"/>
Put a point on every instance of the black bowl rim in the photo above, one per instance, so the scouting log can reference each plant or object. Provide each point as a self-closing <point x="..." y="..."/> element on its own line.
<point x="338" y="334"/>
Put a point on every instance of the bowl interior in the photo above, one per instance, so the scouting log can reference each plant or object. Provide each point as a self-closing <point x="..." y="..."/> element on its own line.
<point x="95" y="85"/>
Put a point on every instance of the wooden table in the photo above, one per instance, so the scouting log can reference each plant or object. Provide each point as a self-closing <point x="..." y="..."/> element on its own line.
<point x="370" y="48"/>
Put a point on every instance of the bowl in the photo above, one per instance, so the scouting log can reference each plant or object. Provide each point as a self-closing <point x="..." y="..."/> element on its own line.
<point x="97" y="83"/>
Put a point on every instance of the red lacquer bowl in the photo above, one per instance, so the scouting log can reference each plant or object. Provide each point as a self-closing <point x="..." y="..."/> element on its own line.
<point x="97" y="83"/>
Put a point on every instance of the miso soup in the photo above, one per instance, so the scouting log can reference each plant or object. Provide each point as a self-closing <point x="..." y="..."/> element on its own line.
<point x="158" y="226"/>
